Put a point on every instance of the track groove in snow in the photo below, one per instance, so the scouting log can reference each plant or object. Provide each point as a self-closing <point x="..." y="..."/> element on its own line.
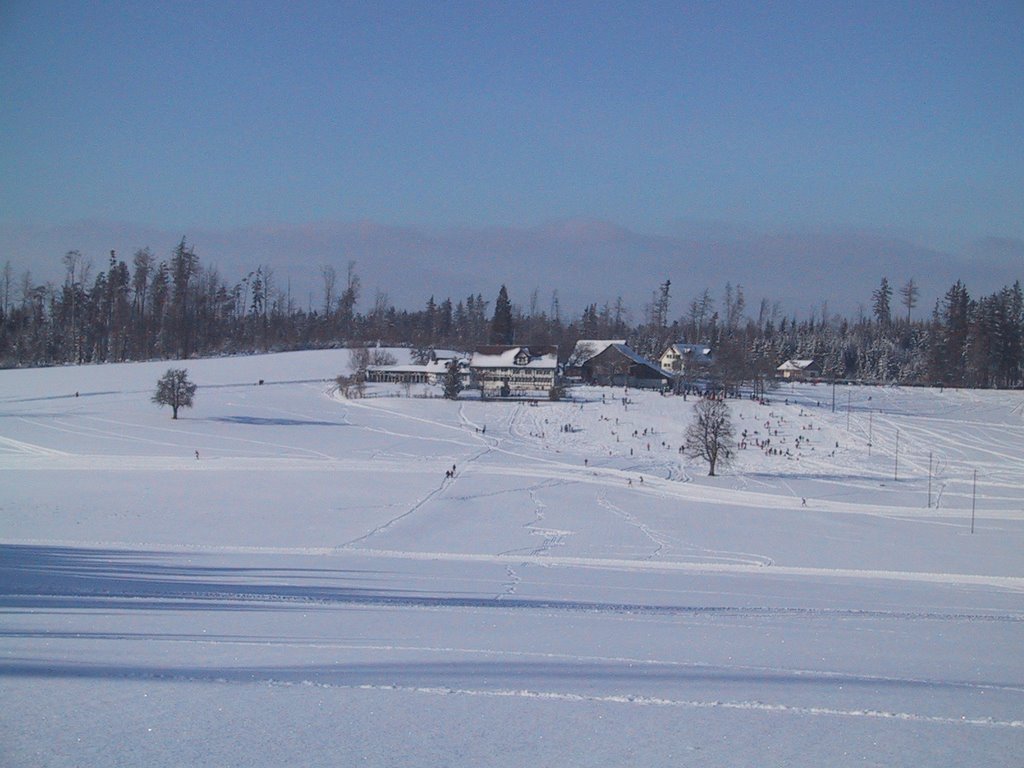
<point x="281" y="595"/>
<point x="654" y="701"/>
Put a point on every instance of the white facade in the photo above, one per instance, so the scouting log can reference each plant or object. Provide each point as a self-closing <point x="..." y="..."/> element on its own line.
<point x="430" y="373"/>
<point x="514" y="371"/>
<point x="686" y="358"/>
<point x="797" y="369"/>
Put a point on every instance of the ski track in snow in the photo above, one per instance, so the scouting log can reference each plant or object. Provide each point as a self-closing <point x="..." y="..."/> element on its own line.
<point x="250" y="678"/>
<point x="29" y="449"/>
<point x="638" y="700"/>
<point x="653" y="701"/>
<point x="663" y="541"/>
<point x="552" y="537"/>
<point x="395" y="520"/>
<point x="583" y="659"/>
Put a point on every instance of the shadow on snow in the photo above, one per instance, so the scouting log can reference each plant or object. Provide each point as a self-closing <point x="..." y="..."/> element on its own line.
<point x="276" y="422"/>
<point x="58" y="577"/>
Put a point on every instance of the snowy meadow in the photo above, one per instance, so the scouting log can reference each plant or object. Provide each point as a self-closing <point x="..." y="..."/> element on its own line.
<point x="285" y="577"/>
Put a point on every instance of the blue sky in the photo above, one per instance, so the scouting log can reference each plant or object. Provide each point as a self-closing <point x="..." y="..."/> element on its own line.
<point x="899" y="118"/>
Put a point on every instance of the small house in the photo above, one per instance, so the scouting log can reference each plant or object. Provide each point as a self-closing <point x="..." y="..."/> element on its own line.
<point x="584" y="350"/>
<point x="686" y="360"/>
<point x="618" y="365"/>
<point x="798" y="370"/>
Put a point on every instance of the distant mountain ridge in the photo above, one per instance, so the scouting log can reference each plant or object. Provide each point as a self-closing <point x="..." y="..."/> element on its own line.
<point x="585" y="261"/>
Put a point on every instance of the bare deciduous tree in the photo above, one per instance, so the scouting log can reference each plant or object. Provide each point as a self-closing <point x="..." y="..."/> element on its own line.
<point x="710" y="436"/>
<point x="330" y="278"/>
<point x="174" y="389"/>
<point x="908" y="296"/>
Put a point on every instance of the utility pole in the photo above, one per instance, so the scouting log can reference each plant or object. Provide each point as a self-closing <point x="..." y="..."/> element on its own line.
<point x="929" y="479"/>
<point x="896" y="465"/>
<point x="974" y="498"/>
<point x="833" y="394"/>
<point x="847" y="410"/>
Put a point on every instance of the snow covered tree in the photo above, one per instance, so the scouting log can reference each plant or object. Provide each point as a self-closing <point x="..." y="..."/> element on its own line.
<point x="174" y="389"/>
<point x="452" y="380"/>
<point x="710" y="435"/>
<point x="956" y="310"/>
<point x="660" y="313"/>
<point x="358" y="362"/>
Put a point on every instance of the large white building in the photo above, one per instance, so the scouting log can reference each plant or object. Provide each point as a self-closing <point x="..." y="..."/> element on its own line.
<point x="514" y="371"/>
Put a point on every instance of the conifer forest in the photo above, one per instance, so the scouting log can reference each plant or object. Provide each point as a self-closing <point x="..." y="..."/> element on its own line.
<point x="176" y="308"/>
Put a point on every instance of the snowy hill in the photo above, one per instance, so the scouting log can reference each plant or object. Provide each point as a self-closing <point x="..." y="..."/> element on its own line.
<point x="313" y="589"/>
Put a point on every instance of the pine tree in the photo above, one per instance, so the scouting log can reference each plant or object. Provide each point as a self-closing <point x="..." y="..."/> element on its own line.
<point x="452" y="380"/>
<point x="880" y="300"/>
<point x="908" y="296"/>
<point x="184" y="264"/>
<point x="501" y="323"/>
<point x="956" y="317"/>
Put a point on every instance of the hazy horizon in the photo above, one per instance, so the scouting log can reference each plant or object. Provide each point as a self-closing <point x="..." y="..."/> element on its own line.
<point x="804" y="272"/>
<point x="803" y="151"/>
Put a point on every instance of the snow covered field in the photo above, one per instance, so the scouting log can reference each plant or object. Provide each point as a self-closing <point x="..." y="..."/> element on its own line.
<point x="313" y="590"/>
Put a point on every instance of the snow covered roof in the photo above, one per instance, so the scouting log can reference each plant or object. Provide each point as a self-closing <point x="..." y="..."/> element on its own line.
<point x="447" y="354"/>
<point x="796" y="365"/>
<point x="694" y="351"/>
<point x="588" y="348"/>
<point x="434" y="366"/>
<point x="636" y="357"/>
<point x="607" y="357"/>
<point x="515" y="357"/>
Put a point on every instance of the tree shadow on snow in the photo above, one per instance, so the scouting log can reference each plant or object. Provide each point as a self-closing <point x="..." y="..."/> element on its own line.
<point x="78" y="577"/>
<point x="62" y="577"/>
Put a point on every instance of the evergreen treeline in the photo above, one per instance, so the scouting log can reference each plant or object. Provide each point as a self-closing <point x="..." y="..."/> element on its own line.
<point x="177" y="308"/>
